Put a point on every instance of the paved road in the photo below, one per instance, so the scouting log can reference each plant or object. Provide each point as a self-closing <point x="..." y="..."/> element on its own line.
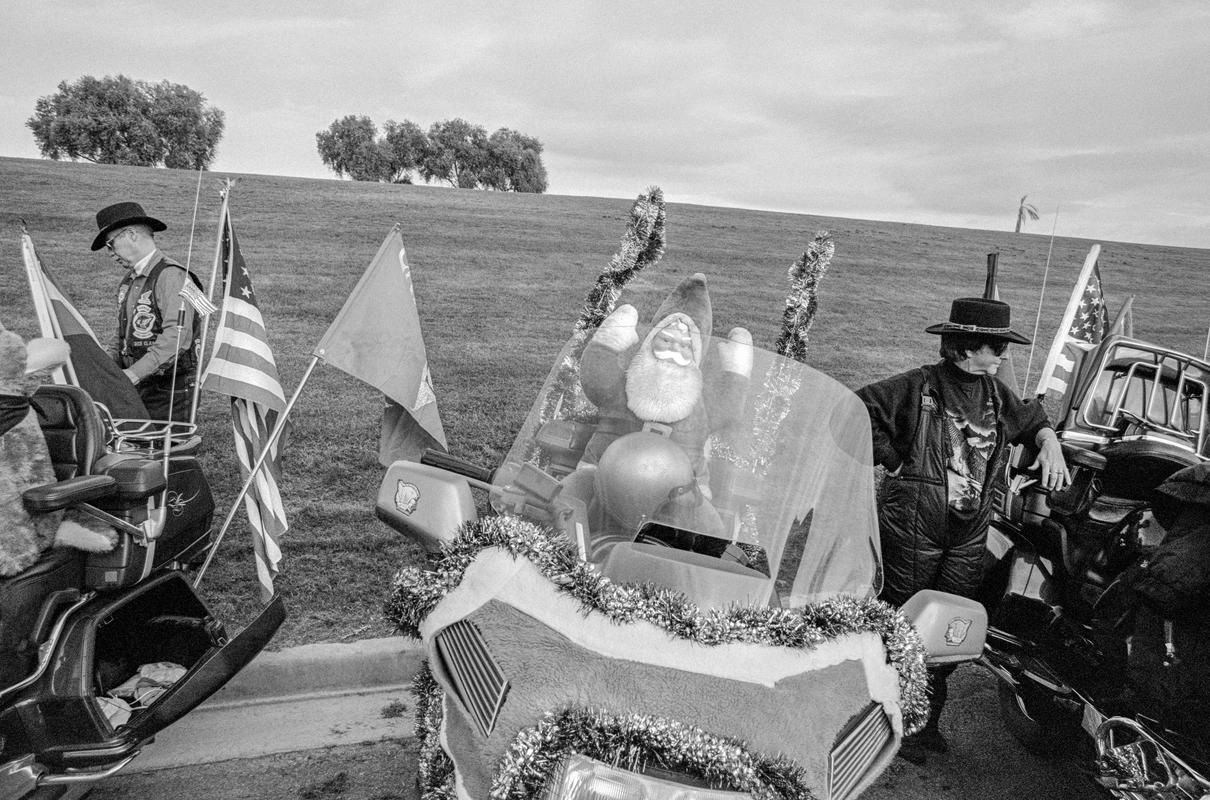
<point x="363" y="757"/>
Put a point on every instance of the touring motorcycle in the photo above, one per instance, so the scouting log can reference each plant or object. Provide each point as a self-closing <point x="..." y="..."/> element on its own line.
<point x="1069" y="661"/>
<point x="100" y="651"/>
<point x="653" y="627"/>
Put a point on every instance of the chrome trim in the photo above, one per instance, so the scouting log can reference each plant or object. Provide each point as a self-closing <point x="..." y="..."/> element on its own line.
<point x="85" y="776"/>
<point x="47" y="648"/>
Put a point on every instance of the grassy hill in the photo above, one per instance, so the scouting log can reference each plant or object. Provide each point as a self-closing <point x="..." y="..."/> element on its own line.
<point x="499" y="279"/>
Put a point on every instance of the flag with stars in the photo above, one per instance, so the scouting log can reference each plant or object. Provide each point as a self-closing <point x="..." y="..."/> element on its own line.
<point x="1085" y="324"/>
<point x="243" y="368"/>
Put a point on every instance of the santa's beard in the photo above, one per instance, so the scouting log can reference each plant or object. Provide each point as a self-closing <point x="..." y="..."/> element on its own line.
<point x="661" y="391"/>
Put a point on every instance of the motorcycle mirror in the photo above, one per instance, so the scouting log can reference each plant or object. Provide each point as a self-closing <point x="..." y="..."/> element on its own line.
<point x="952" y="628"/>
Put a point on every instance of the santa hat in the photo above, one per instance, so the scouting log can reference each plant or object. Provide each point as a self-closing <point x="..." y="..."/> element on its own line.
<point x="690" y="298"/>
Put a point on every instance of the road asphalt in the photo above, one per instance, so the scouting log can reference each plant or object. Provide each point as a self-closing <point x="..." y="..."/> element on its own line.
<point x="300" y="698"/>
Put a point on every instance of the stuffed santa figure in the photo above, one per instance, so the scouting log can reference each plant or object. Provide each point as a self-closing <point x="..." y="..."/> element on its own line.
<point x="656" y="383"/>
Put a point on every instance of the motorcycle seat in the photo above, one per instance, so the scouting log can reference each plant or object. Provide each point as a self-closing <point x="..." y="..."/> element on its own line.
<point x="72" y="426"/>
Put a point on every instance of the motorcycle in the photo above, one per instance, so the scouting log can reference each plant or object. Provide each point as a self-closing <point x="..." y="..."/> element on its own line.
<point x="100" y="651"/>
<point x="1070" y="663"/>
<point x="661" y="625"/>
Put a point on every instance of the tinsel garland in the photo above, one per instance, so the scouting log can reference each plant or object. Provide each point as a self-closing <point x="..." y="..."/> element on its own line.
<point x="435" y="770"/>
<point x="801" y="304"/>
<point x="633" y="740"/>
<point x="415" y="593"/>
<point x="642" y="246"/>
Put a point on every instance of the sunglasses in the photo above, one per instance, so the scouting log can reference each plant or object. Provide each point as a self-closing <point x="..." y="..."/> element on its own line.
<point x="114" y="238"/>
<point x="999" y="348"/>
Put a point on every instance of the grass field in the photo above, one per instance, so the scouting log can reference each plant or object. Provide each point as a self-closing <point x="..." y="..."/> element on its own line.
<point x="499" y="279"/>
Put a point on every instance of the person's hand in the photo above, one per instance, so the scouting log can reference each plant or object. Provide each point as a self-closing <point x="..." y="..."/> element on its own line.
<point x="735" y="352"/>
<point x="618" y="330"/>
<point x="134" y="379"/>
<point x="1051" y="467"/>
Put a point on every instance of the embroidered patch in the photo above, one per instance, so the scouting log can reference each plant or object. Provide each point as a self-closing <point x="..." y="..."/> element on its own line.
<point x="144" y="318"/>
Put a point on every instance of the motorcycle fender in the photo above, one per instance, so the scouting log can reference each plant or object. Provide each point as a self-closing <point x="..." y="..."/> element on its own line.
<point x="426" y="503"/>
<point x="952" y="628"/>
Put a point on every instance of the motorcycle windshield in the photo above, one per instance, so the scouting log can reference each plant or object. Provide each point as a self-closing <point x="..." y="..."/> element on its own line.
<point x="774" y="465"/>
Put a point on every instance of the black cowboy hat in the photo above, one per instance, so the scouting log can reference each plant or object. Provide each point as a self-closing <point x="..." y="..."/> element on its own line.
<point x="975" y="315"/>
<point x="119" y="215"/>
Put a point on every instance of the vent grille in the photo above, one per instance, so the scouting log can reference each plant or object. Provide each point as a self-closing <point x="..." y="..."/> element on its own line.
<point x="478" y="682"/>
<point x="857" y="748"/>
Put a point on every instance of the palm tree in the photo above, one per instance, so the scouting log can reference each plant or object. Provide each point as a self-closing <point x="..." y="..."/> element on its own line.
<point x="1025" y="210"/>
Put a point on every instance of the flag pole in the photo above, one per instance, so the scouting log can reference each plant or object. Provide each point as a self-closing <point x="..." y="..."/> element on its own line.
<point x="264" y="454"/>
<point x="1033" y="342"/>
<point x="218" y="251"/>
<point x="1206" y="352"/>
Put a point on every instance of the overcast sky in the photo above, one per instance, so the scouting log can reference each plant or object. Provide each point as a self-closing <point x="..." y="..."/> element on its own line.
<point x="937" y="113"/>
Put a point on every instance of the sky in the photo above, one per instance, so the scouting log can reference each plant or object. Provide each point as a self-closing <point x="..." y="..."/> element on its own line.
<point x="940" y="113"/>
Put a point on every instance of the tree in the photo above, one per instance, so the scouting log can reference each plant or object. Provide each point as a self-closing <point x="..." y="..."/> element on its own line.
<point x="117" y="120"/>
<point x="349" y="147"/>
<point x="188" y="129"/>
<point x="457" y="153"/>
<point x="1024" y="210"/>
<point x="405" y="147"/>
<point x="514" y="163"/>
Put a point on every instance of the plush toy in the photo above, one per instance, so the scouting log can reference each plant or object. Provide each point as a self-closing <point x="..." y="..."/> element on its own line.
<point x="25" y="462"/>
<point x="657" y="383"/>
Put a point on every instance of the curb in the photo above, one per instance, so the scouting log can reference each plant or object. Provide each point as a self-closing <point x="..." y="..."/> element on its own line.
<point x="319" y="669"/>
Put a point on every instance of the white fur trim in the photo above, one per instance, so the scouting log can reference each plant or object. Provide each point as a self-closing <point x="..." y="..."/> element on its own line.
<point x="75" y="535"/>
<point x="495" y="574"/>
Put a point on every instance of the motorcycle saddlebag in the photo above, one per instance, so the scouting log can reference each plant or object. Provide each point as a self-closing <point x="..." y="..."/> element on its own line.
<point x="60" y="717"/>
<point x="22" y="597"/>
<point x="186" y="533"/>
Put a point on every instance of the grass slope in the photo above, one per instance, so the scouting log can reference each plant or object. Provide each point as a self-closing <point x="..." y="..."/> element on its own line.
<point x="499" y="279"/>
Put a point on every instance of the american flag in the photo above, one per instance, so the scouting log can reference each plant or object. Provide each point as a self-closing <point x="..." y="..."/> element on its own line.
<point x="1085" y="324"/>
<point x="243" y="368"/>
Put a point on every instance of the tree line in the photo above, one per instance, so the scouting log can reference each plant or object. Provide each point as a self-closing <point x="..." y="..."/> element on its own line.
<point x="118" y="120"/>
<point x="453" y="151"/>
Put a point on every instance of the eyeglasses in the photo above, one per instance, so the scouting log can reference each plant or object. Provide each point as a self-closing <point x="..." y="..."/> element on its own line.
<point x="999" y="348"/>
<point x="114" y="238"/>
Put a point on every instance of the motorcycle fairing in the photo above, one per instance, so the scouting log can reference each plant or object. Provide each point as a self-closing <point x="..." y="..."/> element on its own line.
<point x="554" y="655"/>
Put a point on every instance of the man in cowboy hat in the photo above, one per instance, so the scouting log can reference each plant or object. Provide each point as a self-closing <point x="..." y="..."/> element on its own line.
<point x="943" y="432"/>
<point x="157" y="342"/>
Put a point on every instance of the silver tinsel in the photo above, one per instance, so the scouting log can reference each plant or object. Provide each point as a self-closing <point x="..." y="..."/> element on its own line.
<point x="642" y="246"/>
<point x="632" y="741"/>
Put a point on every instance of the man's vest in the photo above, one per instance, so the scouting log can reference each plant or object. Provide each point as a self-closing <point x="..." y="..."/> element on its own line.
<point x="137" y="334"/>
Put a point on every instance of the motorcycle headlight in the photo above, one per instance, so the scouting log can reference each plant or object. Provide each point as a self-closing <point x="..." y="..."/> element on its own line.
<point x="581" y="778"/>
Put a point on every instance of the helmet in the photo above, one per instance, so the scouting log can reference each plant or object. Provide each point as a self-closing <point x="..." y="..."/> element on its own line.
<point x="636" y="475"/>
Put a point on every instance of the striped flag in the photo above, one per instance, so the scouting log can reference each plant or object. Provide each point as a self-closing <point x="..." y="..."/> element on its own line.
<point x="1085" y="324"/>
<point x="243" y="368"/>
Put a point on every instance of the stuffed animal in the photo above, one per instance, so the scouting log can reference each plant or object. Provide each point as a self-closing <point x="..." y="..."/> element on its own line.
<point x="25" y="462"/>
<point x="657" y="383"/>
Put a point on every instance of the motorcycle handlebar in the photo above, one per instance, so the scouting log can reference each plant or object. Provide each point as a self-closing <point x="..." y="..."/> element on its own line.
<point x="456" y="465"/>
